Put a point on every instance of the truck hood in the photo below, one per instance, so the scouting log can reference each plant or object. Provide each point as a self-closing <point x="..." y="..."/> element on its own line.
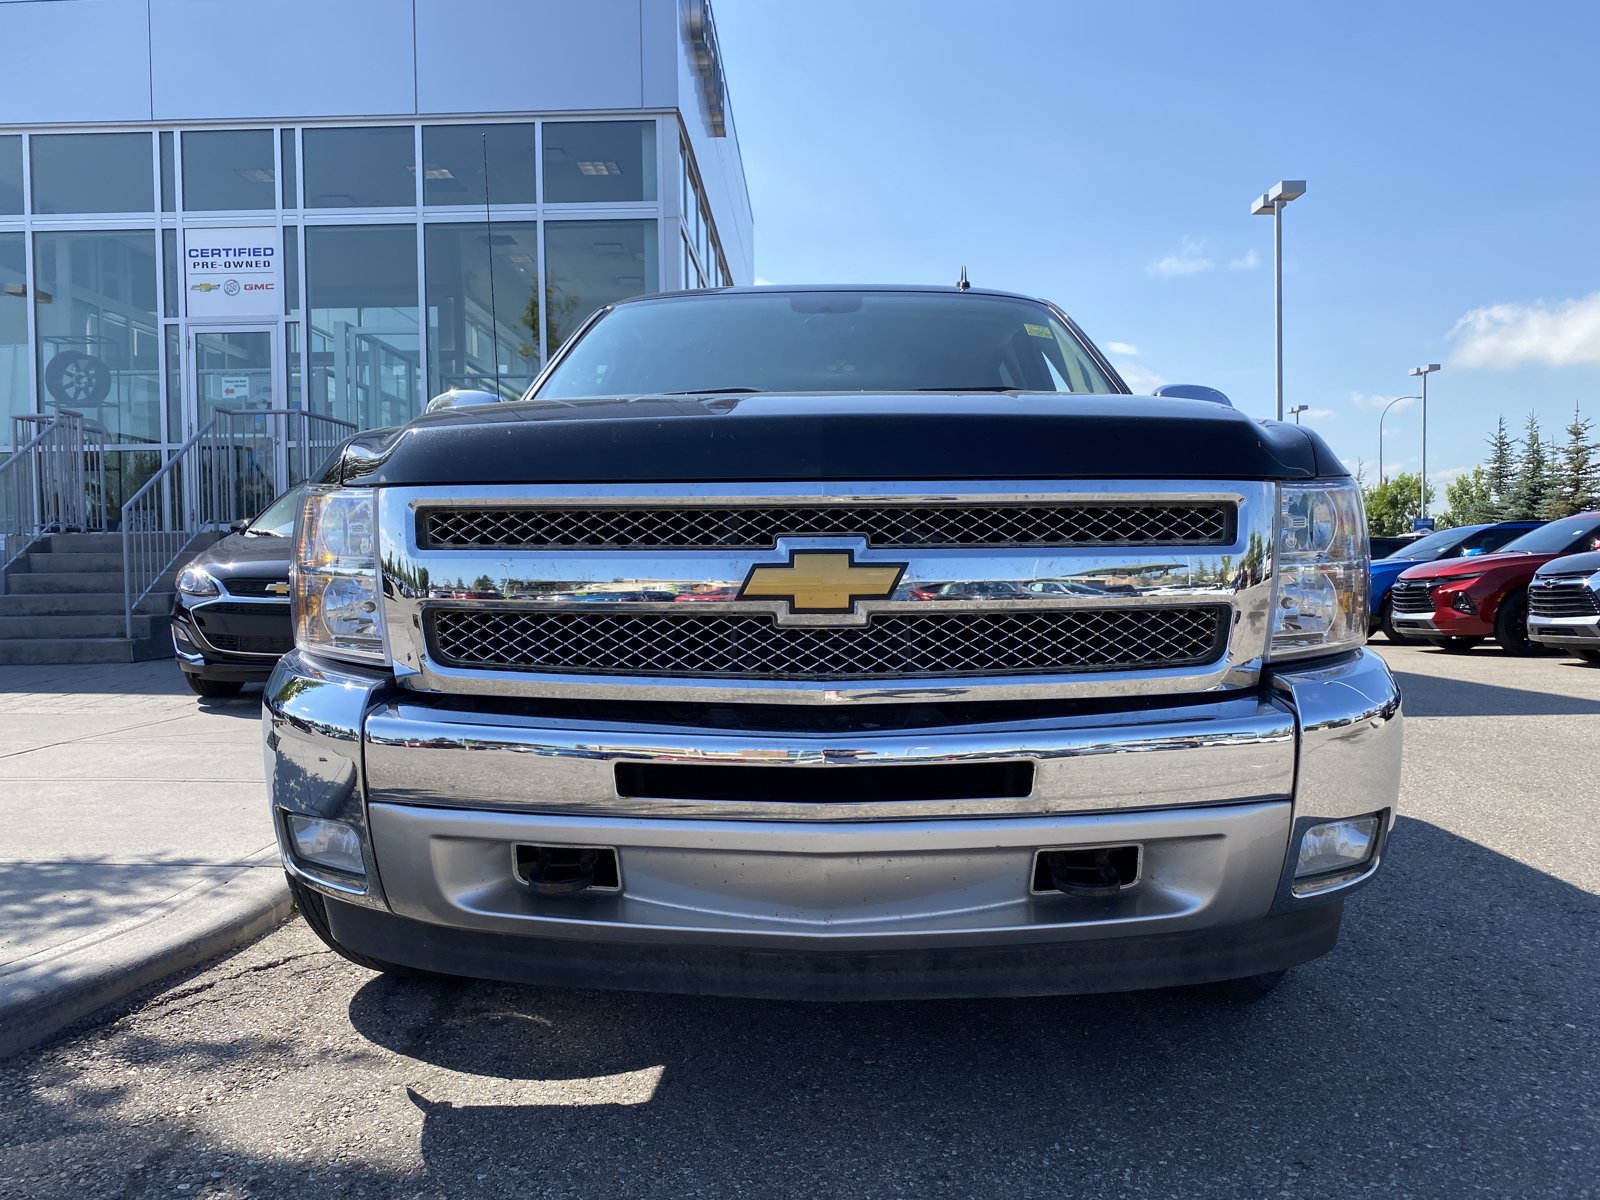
<point x="836" y="436"/>
<point x="1572" y="564"/>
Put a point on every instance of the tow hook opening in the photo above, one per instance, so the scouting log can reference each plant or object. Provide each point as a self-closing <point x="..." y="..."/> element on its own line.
<point x="1091" y="871"/>
<point x="566" y="870"/>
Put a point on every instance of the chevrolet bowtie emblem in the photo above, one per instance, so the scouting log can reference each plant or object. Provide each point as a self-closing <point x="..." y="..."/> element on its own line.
<point x="204" y="287"/>
<point x="822" y="581"/>
<point x="278" y="589"/>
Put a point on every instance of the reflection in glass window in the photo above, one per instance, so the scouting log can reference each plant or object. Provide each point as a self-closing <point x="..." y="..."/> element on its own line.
<point x="10" y="175"/>
<point x="227" y="169"/>
<point x="169" y="189"/>
<point x="169" y="273"/>
<point x="291" y="185"/>
<point x="14" y="398"/>
<point x="599" y="161"/>
<point x="361" y="289"/>
<point x="95" y="308"/>
<point x="92" y="172"/>
<point x="175" y="430"/>
<point x="473" y="342"/>
<point x="291" y="269"/>
<point x="594" y="263"/>
<point x="360" y="168"/>
<point x="453" y="157"/>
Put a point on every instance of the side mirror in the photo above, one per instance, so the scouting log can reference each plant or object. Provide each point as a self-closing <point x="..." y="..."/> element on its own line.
<point x="1193" y="391"/>
<point x="238" y="526"/>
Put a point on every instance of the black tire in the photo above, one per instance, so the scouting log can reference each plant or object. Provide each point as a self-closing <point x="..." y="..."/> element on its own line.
<point x="1511" y="625"/>
<point x="1386" y="621"/>
<point x="1588" y="656"/>
<point x="213" y="688"/>
<point x="314" y="908"/>
<point x="1454" y="645"/>
<point x="73" y="379"/>
<point x="1248" y="989"/>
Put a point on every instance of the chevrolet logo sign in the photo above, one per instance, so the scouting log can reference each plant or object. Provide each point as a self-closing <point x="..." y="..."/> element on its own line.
<point x="277" y="589"/>
<point x="204" y="287"/>
<point x="822" y="581"/>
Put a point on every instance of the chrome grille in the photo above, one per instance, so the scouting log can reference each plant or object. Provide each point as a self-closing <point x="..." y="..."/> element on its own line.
<point x="892" y="645"/>
<point x="1411" y="596"/>
<point x="1564" y="598"/>
<point x="758" y="527"/>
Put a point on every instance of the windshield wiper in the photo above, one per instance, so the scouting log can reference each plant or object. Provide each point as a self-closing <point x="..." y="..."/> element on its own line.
<point x="709" y="392"/>
<point x="982" y="387"/>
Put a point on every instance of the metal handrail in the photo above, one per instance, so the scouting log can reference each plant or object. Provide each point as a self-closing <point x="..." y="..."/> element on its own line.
<point x="158" y="546"/>
<point x="45" y="482"/>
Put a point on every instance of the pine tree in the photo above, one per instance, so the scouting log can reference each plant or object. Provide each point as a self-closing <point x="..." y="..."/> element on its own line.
<point x="1575" y="472"/>
<point x="1531" y="484"/>
<point x="1501" y="469"/>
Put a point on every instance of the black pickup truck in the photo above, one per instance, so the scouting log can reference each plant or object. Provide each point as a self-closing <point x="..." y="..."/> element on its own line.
<point x="998" y="679"/>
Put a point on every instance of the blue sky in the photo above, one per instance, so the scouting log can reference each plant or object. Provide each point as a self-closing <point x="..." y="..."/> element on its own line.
<point x="1104" y="155"/>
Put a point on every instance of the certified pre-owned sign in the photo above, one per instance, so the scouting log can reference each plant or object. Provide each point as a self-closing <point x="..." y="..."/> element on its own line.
<point x="233" y="272"/>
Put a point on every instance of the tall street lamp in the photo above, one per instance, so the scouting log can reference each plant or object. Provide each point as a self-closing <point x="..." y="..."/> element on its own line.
<point x="1424" y="372"/>
<point x="1386" y="409"/>
<point x="1297" y="410"/>
<point x="1271" y="204"/>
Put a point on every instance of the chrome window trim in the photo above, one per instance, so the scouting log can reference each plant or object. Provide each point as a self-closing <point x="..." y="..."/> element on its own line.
<point x="1249" y="594"/>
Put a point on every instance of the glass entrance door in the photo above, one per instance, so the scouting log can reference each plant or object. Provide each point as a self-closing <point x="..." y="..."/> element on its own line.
<point x="234" y="381"/>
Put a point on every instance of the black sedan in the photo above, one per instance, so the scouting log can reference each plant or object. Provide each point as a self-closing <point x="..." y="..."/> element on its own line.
<point x="230" y="613"/>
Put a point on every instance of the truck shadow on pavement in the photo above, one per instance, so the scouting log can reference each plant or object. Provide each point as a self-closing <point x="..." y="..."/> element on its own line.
<point x="1438" y="696"/>
<point x="1438" y="1050"/>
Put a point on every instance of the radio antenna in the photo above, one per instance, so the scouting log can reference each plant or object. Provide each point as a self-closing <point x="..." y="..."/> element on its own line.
<point x="488" y="237"/>
<point x="962" y="284"/>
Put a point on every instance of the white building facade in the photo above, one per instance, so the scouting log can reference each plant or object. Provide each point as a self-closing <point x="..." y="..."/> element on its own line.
<point x="341" y="206"/>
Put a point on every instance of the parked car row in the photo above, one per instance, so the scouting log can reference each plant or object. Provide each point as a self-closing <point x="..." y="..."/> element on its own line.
<point x="1524" y="584"/>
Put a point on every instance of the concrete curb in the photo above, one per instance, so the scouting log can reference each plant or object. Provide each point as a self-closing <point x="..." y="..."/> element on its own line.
<point x="44" y="993"/>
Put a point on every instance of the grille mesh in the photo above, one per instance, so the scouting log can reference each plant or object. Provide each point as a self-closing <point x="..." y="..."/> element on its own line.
<point x="1411" y="596"/>
<point x="1567" y="598"/>
<point x="740" y="527"/>
<point x="890" y="646"/>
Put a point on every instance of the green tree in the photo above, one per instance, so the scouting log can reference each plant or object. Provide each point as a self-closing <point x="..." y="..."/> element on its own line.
<point x="1574" y="472"/>
<point x="1530" y="487"/>
<point x="1500" y="468"/>
<point x="1393" y="503"/>
<point x="1470" y="499"/>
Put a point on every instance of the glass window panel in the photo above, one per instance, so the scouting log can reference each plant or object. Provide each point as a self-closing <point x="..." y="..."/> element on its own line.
<point x="228" y="169"/>
<point x="95" y="308"/>
<point x="591" y="264"/>
<point x="15" y="399"/>
<point x="452" y="164"/>
<point x="599" y="161"/>
<point x="361" y="288"/>
<point x="169" y="273"/>
<point x="10" y="175"/>
<point x="475" y="341"/>
<point x="291" y="341"/>
<point x="291" y="184"/>
<point x="92" y="172"/>
<point x="291" y="269"/>
<point x="360" y="168"/>
<point x="175" y="430"/>
<point x="168" y="188"/>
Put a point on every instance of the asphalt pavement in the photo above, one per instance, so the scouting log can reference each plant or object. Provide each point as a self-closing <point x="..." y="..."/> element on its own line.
<point x="1450" y="1046"/>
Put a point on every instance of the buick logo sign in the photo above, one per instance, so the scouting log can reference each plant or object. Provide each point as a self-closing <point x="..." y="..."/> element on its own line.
<point x="231" y="288"/>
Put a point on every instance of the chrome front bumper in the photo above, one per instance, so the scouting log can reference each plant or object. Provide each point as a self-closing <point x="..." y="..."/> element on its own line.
<point x="1215" y="793"/>
<point x="1583" y="632"/>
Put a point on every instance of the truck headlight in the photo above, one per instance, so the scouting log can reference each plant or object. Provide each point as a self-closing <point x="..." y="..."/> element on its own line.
<point x="338" y="598"/>
<point x="1320" y="583"/>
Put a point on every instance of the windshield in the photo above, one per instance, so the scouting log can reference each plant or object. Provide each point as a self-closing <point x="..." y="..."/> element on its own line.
<point x="278" y="520"/>
<point x="1572" y="535"/>
<point x="1435" y="545"/>
<point x="825" y="342"/>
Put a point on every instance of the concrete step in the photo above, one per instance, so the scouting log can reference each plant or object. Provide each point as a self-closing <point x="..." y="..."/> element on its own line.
<point x="83" y="650"/>
<point x="50" y="604"/>
<point x="38" y="582"/>
<point x="77" y="625"/>
<point x="75" y="561"/>
<point x="83" y="543"/>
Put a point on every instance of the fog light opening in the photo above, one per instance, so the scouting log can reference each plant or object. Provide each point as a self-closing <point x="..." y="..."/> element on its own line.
<point x="1335" y="852"/>
<point x="566" y="870"/>
<point x="326" y="843"/>
<point x="1091" y="871"/>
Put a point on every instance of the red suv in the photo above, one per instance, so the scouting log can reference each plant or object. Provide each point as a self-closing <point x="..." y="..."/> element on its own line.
<point x="1458" y="602"/>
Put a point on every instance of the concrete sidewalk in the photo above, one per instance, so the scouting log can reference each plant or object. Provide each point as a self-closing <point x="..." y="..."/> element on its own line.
<point x="134" y="836"/>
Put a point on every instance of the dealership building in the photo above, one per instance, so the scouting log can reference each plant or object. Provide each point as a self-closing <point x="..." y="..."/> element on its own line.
<point x="343" y="208"/>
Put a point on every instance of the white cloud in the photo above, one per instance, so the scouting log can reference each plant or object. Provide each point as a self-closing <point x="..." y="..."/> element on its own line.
<point x="1377" y="402"/>
<point x="1563" y="334"/>
<point x="1446" y="476"/>
<point x="1140" y="379"/>
<point x="1189" y="260"/>
<point x="1317" y="414"/>
<point x="761" y="281"/>
<point x="1248" y="261"/>
<point x="1122" y="348"/>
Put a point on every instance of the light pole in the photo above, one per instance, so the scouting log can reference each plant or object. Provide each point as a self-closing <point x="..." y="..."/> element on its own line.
<point x="1424" y="372"/>
<point x="1272" y="204"/>
<point x="1297" y="410"/>
<point x="1386" y="409"/>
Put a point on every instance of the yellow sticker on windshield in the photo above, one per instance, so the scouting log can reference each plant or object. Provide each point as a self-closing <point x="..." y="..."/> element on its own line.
<point x="1039" y="331"/>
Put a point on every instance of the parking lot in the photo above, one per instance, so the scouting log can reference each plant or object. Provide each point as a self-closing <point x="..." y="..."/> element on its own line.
<point x="1449" y="1047"/>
